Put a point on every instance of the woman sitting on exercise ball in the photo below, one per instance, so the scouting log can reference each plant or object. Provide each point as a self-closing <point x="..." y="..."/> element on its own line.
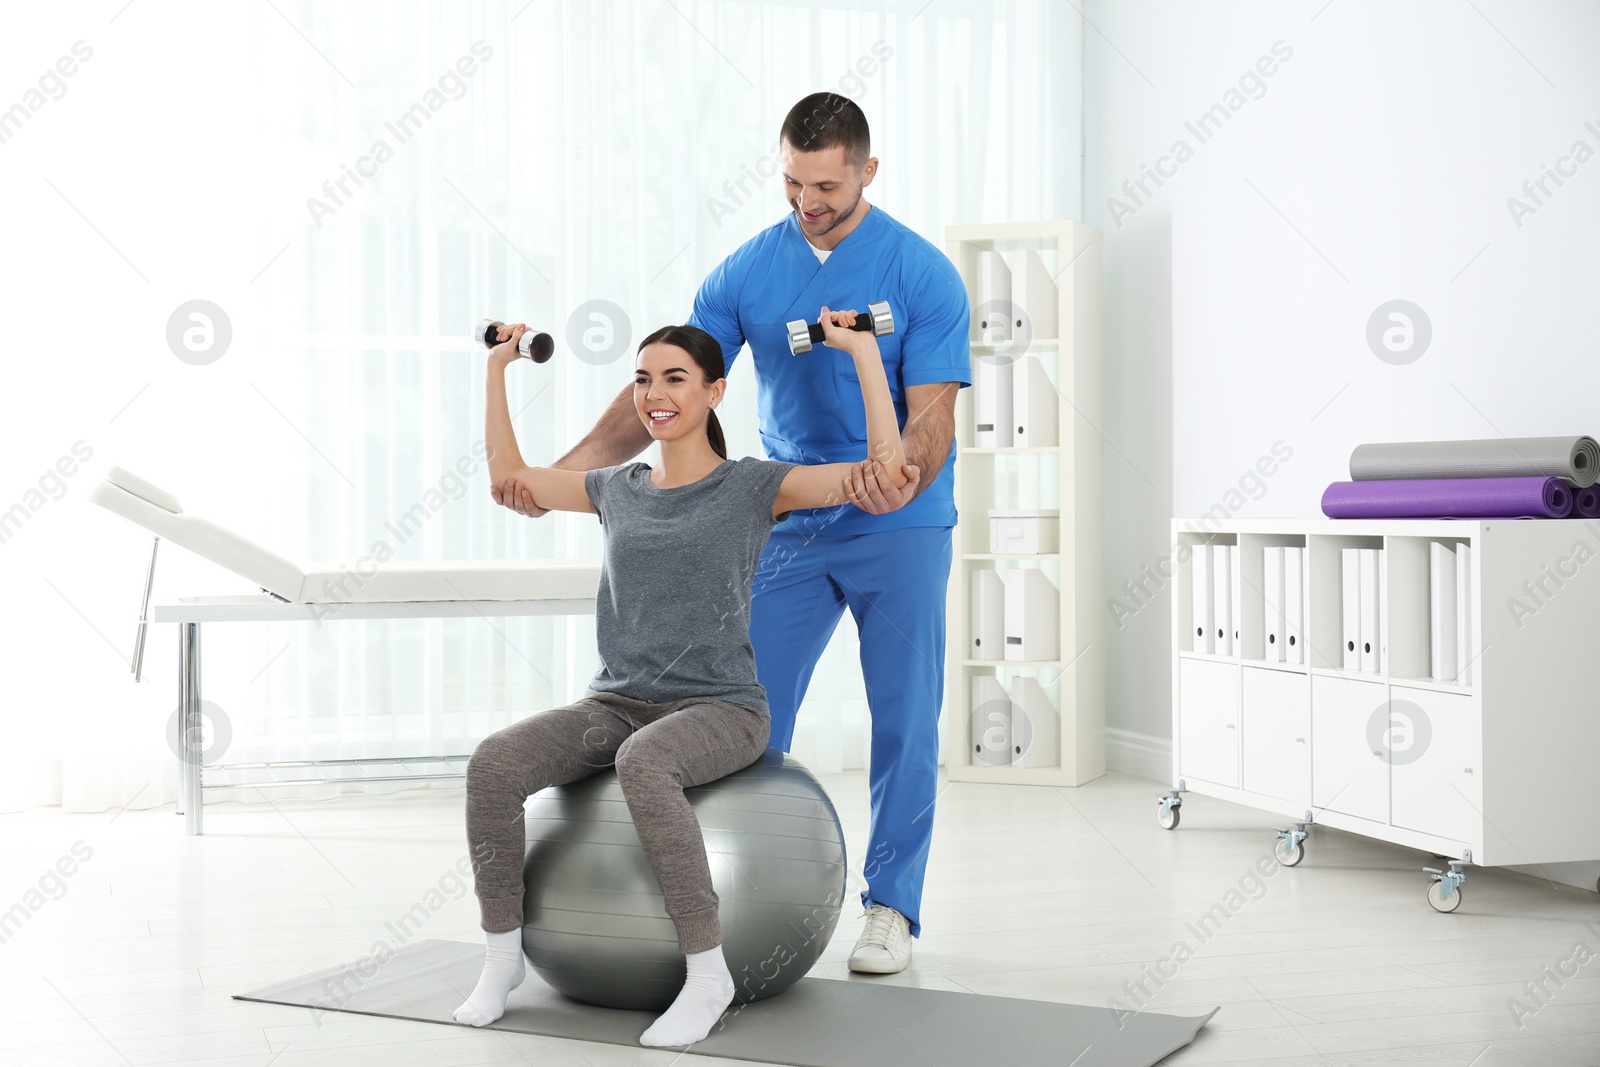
<point x="676" y="701"/>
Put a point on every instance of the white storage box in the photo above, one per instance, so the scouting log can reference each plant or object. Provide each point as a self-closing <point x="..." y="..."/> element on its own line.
<point x="1036" y="531"/>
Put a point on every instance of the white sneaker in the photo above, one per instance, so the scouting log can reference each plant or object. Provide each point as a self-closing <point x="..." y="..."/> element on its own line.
<point x="885" y="944"/>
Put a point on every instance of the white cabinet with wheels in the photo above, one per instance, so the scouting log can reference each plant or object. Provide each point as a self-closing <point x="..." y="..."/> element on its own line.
<point x="1469" y="733"/>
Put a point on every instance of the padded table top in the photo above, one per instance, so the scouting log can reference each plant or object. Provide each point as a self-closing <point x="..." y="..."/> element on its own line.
<point x="397" y="581"/>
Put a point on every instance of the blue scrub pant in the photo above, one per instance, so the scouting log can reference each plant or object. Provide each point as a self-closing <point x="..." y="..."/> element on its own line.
<point x="894" y="584"/>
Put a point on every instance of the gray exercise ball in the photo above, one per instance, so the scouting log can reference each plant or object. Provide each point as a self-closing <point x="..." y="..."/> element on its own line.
<point x="595" y="925"/>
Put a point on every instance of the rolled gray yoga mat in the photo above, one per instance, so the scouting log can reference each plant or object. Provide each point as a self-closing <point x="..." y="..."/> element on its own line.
<point x="1576" y="459"/>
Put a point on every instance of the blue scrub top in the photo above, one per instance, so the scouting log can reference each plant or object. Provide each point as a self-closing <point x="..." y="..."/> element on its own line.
<point x="810" y="405"/>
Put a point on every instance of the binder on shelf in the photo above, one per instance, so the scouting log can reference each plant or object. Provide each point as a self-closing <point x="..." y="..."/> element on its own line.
<point x="1350" y="617"/>
<point x="988" y="616"/>
<point x="1202" y="627"/>
<point x="1033" y="615"/>
<point x="1222" y="597"/>
<point x="1294" y="648"/>
<point x="1442" y="636"/>
<point x="1037" y="300"/>
<point x="990" y="723"/>
<point x="1371" y="643"/>
<point x="1034" y="404"/>
<point x="992" y="400"/>
<point x="993" y="303"/>
<point x="1272" y="638"/>
<point x="1035" y="725"/>
<point x="1236" y="603"/>
<point x="1464" y="634"/>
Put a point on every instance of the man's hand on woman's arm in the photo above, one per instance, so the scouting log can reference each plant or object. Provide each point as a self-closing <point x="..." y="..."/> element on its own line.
<point x="869" y="487"/>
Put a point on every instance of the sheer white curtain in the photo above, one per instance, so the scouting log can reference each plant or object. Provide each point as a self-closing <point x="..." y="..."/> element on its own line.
<point x="417" y="166"/>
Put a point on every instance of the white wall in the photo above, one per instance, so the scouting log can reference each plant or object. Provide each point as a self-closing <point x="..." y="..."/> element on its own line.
<point x="1374" y="163"/>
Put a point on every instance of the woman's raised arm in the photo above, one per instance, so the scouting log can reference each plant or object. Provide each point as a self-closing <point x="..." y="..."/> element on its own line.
<point x="822" y="485"/>
<point x="555" y="490"/>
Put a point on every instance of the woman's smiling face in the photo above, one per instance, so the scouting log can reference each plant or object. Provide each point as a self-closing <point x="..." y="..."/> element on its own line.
<point x="670" y="392"/>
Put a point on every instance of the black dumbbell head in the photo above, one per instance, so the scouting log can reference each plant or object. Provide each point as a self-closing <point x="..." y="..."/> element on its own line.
<point x="538" y="347"/>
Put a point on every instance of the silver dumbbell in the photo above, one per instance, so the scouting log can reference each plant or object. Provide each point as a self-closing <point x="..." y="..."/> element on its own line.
<point x="535" y="346"/>
<point x="879" y="320"/>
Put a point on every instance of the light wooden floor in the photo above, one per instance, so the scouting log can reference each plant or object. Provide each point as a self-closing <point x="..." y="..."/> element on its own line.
<point x="1033" y="892"/>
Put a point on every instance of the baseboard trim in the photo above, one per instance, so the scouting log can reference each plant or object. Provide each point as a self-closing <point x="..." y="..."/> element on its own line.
<point x="1143" y="755"/>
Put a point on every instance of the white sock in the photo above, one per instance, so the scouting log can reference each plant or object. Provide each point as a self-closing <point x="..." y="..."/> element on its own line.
<point x="503" y="971"/>
<point x="706" y="994"/>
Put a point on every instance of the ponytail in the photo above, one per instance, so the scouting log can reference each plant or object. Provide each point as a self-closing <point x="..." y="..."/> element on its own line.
<point x="714" y="433"/>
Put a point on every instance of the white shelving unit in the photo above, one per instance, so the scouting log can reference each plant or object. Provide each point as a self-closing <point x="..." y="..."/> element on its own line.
<point x="1496" y="772"/>
<point x="1068" y="477"/>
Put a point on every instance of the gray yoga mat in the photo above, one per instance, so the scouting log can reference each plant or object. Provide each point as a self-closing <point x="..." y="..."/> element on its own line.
<point x="819" y="1022"/>
<point x="1577" y="459"/>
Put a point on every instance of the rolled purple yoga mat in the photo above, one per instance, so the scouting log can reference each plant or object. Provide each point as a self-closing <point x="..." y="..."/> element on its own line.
<point x="1586" y="502"/>
<point x="1449" y="498"/>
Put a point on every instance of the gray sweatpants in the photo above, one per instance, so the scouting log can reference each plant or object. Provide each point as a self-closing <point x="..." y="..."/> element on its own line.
<point x="658" y="750"/>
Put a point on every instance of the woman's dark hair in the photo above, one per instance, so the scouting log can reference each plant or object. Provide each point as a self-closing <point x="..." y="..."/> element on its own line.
<point x="705" y="351"/>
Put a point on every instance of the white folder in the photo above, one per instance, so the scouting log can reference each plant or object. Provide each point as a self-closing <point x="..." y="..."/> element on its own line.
<point x="1222" y="597"/>
<point x="1272" y="638"/>
<point x="1033" y="615"/>
<point x="1464" y="631"/>
<point x="1294" y="648"/>
<point x="1202" y="624"/>
<point x="992" y="309"/>
<point x="990" y="721"/>
<point x="1034" y="293"/>
<point x="1371" y="639"/>
<point x="991" y="400"/>
<point x="1035" y="407"/>
<point x="1236" y="602"/>
<point x="1442" y="635"/>
<point x="988" y="616"/>
<point x="1035" y="725"/>
<point x="1350" y="616"/>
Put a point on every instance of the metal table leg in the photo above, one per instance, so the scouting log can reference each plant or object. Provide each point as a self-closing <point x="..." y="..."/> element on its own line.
<point x="144" y="614"/>
<point x="191" y="740"/>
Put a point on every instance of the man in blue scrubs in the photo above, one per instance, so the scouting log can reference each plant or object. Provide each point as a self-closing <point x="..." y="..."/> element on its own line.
<point x="883" y="553"/>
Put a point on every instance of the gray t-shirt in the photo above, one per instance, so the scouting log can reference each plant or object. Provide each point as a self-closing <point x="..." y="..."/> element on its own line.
<point x="673" y="614"/>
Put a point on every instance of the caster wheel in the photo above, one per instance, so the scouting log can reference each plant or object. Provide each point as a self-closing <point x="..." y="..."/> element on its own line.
<point x="1438" y="903"/>
<point x="1289" y="856"/>
<point x="1168" y="818"/>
